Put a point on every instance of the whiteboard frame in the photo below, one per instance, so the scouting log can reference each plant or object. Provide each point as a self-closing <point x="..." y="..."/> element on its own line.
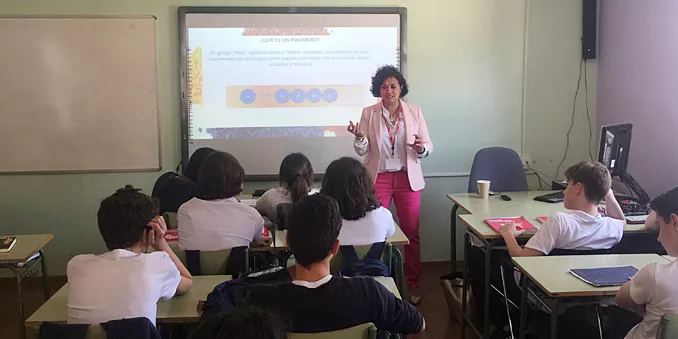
<point x="183" y="51"/>
<point x="157" y="92"/>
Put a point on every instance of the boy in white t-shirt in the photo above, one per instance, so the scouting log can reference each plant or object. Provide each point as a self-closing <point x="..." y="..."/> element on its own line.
<point x="582" y="228"/>
<point x="125" y="282"/>
<point x="653" y="291"/>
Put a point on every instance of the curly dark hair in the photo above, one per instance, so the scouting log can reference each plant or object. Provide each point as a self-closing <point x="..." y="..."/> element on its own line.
<point x="251" y="322"/>
<point x="313" y="226"/>
<point x="348" y="182"/>
<point x="594" y="176"/>
<point x="220" y="177"/>
<point x="123" y="217"/>
<point x="296" y="175"/>
<point x="384" y="73"/>
<point x="666" y="204"/>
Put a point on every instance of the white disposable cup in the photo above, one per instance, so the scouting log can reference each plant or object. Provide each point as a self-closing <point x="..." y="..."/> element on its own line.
<point x="484" y="188"/>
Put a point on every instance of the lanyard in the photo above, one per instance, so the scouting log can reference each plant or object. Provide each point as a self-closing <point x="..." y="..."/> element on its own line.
<point x="392" y="136"/>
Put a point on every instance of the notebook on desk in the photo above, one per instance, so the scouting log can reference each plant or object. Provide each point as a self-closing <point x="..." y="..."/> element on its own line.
<point x="605" y="276"/>
<point x="521" y="223"/>
<point x="6" y="244"/>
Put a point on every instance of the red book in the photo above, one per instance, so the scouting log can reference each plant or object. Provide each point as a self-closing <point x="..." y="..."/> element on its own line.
<point x="521" y="223"/>
<point x="171" y="235"/>
<point x="542" y="219"/>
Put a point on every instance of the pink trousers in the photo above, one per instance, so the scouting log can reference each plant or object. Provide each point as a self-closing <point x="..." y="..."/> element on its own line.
<point x="396" y="186"/>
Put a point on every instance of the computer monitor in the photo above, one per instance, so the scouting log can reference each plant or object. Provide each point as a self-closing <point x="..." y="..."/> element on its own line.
<point x="615" y="143"/>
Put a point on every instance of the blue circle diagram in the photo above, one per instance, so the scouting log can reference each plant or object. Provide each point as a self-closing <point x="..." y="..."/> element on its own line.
<point x="282" y="96"/>
<point x="314" y="95"/>
<point x="298" y="96"/>
<point x="330" y="95"/>
<point x="247" y="96"/>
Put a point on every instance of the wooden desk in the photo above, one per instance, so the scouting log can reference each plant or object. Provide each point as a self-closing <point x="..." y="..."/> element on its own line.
<point x="18" y="260"/>
<point x="397" y="239"/>
<point x="477" y="225"/>
<point x="25" y="247"/>
<point x="522" y="203"/>
<point x="180" y="309"/>
<point x="551" y="273"/>
<point x="551" y="276"/>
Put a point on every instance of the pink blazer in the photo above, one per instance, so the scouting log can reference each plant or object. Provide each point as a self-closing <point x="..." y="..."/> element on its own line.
<point x="371" y="121"/>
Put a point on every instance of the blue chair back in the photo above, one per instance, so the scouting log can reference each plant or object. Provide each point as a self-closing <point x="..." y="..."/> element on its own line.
<point x="500" y="165"/>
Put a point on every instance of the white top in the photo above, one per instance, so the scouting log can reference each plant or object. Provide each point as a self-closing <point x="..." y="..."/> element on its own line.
<point x="314" y="284"/>
<point x="576" y="230"/>
<point x="375" y="226"/>
<point x="215" y="225"/>
<point x="268" y="203"/>
<point x="399" y="157"/>
<point x="119" y="284"/>
<point x="655" y="287"/>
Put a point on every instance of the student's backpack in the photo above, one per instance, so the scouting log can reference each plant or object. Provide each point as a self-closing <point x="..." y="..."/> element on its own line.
<point x="232" y="293"/>
<point x="370" y="265"/>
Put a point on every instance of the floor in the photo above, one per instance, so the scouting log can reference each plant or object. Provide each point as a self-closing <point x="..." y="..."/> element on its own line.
<point x="439" y="325"/>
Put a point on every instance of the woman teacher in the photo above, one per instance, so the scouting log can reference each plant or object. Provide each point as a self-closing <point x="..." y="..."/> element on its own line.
<point x="393" y="137"/>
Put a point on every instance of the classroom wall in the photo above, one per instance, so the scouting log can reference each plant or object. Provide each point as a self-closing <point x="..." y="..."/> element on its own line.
<point x="638" y="81"/>
<point x="66" y="205"/>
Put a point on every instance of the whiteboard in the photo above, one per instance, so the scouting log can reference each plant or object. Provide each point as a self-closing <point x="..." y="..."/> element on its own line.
<point x="78" y="94"/>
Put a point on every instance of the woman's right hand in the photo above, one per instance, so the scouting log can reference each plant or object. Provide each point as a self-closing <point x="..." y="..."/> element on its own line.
<point x="355" y="130"/>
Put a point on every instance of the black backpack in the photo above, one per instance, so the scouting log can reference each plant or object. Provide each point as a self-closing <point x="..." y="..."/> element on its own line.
<point x="371" y="265"/>
<point x="232" y="293"/>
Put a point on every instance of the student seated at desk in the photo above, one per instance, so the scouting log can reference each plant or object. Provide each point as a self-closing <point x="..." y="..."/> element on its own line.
<point x="653" y="291"/>
<point x="215" y="220"/>
<point x="125" y="282"/>
<point x="296" y="176"/>
<point x="582" y="228"/>
<point x="315" y="301"/>
<point x="365" y="221"/>
<point x="172" y="189"/>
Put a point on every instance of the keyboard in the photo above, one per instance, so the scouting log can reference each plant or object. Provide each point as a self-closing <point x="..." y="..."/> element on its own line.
<point x="551" y="197"/>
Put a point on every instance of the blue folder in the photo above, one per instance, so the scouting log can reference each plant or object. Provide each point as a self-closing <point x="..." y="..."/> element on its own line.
<point x="605" y="276"/>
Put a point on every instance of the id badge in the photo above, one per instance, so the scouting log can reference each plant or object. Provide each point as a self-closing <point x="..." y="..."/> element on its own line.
<point x="393" y="165"/>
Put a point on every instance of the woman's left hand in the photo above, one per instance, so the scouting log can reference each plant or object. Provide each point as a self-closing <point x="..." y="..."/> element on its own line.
<point x="417" y="145"/>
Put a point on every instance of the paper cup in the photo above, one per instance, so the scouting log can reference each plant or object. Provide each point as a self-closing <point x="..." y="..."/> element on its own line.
<point x="484" y="188"/>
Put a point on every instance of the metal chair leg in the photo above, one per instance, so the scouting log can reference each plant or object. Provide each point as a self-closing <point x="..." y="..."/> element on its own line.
<point x="45" y="286"/>
<point x="19" y="287"/>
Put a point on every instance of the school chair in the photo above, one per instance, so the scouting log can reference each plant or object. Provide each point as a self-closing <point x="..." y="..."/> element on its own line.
<point x="502" y="166"/>
<point x="668" y="327"/>
<point x="533" y="295"/>
<point x="337" y="262"/>
<point x="282" y="210"/>
<point x="171" y="220"/>
<point x="49" y="330"/>
<point x="139" y="327"/>
<point x="234" y="261"/>
<point x="362" y="331"/>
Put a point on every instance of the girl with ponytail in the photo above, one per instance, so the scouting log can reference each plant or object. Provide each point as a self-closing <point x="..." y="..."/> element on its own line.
<point x="296" y="175"/>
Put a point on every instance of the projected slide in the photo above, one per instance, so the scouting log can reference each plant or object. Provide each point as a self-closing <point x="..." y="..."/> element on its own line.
<point x="278" y="82"/>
